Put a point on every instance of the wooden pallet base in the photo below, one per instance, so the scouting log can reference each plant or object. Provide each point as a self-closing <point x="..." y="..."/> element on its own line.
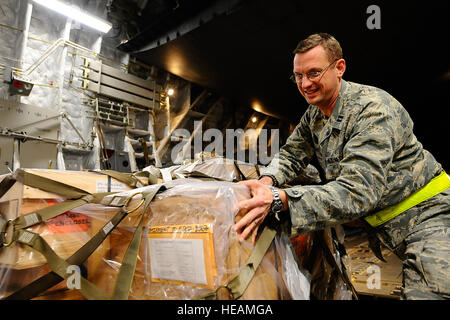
<point x="363" y="266"/>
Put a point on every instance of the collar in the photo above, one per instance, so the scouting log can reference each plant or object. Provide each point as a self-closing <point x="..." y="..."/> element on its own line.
<point x="337" y="116"/>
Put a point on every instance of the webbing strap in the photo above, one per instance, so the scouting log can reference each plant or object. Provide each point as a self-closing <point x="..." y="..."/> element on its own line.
<point x="49" y="185"/>
<point x="80" y="197"/>
<point x="128" y="266"/>
<point x="39" y="244"/>
<point x="130" y="179"/>
<point x="239" y="283"/>
<point x="50" y="279"/>
<point x="57" y="264"/>
<point x="30" y="219"/>
<point x="89" y="290"/>
<point x="151" y="178"/>
<point x="126" y="178"/>
<point x="44" y="214"/>
<point x="432" y="188"/>
<point x="126" y="272"/>
<point x="44" y="184"/>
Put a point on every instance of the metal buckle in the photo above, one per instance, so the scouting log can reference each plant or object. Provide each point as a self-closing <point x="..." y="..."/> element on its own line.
<point x="215" y="294"/>
<point x="7" y="244"/>
<point x="129" y="200"/>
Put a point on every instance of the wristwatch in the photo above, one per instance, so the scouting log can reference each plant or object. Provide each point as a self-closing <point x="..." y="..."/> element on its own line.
<point x="277" y="204"/>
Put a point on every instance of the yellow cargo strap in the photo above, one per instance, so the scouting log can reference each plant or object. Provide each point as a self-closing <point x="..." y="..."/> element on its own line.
<point x="432" y="188"/>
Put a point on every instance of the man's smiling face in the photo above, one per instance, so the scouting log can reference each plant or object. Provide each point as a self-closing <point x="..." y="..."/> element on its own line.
<point x="324" y="90"/>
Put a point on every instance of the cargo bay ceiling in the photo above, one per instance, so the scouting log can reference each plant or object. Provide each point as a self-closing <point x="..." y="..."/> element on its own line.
<point x="242" y="49"/>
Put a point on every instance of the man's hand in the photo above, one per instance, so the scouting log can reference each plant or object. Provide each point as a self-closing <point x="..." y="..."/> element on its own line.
<point x="254" y="210"/>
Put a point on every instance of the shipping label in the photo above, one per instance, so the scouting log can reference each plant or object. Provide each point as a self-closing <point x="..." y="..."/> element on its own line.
<point x="182" y="254"/>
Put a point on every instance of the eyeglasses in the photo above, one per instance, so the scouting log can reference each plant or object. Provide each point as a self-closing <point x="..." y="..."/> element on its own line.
<point x="312" y="75"/>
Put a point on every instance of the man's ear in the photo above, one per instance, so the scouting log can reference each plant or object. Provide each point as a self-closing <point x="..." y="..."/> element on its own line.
<point x="340" y="67"/>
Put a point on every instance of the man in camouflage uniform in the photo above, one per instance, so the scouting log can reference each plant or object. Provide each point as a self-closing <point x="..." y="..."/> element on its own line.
<point x="364" y="142"/>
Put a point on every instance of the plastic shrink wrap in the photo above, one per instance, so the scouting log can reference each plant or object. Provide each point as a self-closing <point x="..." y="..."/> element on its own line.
<point x="187" y="249"/>
<point x="65" y="233"/>
<point x="217" y="168"/>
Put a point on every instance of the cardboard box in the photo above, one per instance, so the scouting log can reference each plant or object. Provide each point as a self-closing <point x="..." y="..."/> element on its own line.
<point x="188" y="248"/>
<point x="65" y="233"/>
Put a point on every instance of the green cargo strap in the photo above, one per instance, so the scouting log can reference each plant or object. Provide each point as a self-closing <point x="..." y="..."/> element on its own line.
<point x="80" y="197"/>
<point x="50" y="279"/>
<point x="44" y="214"/>
<point x="239" y="284"/>
<point x="127" y="178"/>
<point x="128" y="266"/>
<point x="57" y="264"/>
<point x="432" y="188"/>
<point x="89" y="291"/>
<point x="151" y="178"/>
<point x="130" y="179"/>
<point x="49" y="185"/>
<point x="126" y="272"/>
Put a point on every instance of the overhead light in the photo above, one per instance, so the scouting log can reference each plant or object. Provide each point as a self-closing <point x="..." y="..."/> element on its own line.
<point x="254" y="119"/>
<point x="76" y="14"/>
<point x="170" y="92"/>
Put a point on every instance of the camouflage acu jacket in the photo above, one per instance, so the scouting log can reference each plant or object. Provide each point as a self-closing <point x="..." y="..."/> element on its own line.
<point x="368" y="153"/>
